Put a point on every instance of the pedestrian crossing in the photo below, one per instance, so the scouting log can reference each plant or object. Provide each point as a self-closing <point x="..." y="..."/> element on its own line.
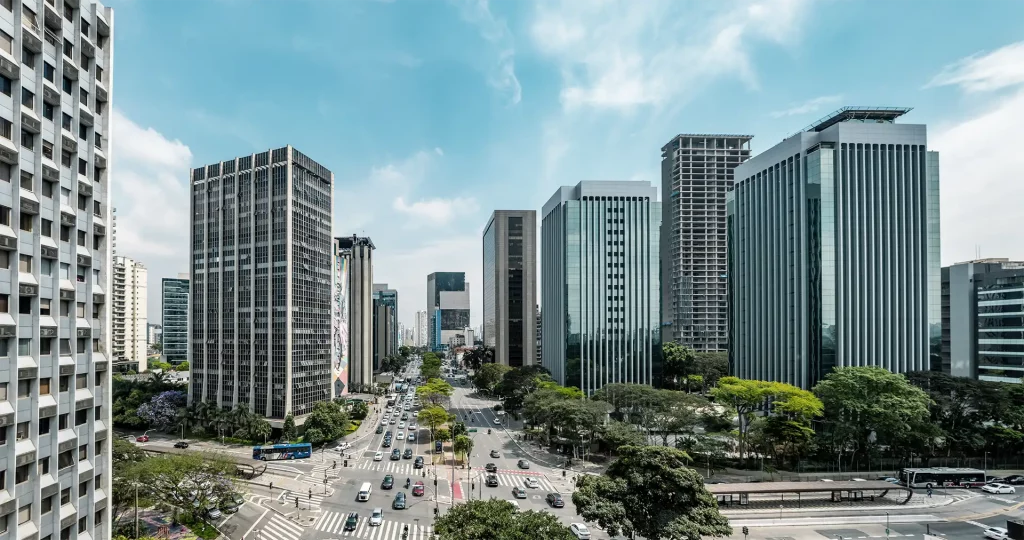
<point x="404" y="467"/>
<point x="305" y="500"/>
<point x="513" y="480"/>
<point x="334" y="523"/>
<point x="278" y="527"/>
<point x="316" y="476"/>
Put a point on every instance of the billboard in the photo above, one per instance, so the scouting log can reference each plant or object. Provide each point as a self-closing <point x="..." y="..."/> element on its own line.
<point x="339" y="325"/>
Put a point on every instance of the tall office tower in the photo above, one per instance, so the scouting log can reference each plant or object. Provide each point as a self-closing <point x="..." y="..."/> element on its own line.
<point x="696" y="173"/>
<point x="539" y="335"/>
<point x="834" y="251"/>
<point x="261" y="287"/>
<point x="54" y="307"/>
<point x="981" y="322"/>
<point x="174" y="311"/>
<point x="129" y="320"/>
<point x="153" y="334"/>
<point x="510" y="286"/>
<point x="422" y="320"/>
<point x="600" y="284"/>
<point x="352" y="327"/>
<point x="448" y="303"/>
<point x="385" y="323"/>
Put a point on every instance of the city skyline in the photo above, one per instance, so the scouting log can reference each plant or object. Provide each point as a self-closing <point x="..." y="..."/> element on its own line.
<point x="405" y="163"/>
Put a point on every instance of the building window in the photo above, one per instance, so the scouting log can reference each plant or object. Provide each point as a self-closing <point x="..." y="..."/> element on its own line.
<point x="80" y="310"/>
<point x="26" y="222"/>
<point x="28" y="99"/>
<point x="26" y="180"/>
<point x="25" y="385"/>
<point x="44" y="428"/>
<point x="65" y="350"/>
<point x="21" y="433"/>
<point x="5" y="260"/>
<point x="28" y="139"/>
<point x="46" y="229"/>
<point x="65" y="236"/>
<point x="81" y="274"/>
<point x="3" y="395"/>
<point x="5" y="85"/>
<point x="48" y="71"/>
<point x="4" y="303"/>
<point x="99" y="74"/>
<point x="47" y="189"/>
<point x="65" y="311"/>
<point x="5" y="216"/>
<point x="83" y="96"/>
<point x="6" y="43"/>
<point x="65" y="268"/>
<point x="25" y="514"/>
<point x="44" y="307"/>
<point x="83" y="133"/>
<point x="47" y="149"/>
<point x="65" y="496"/>
<point x="83" y="169"/>
<point x="44" y="385"/>
<point x="65" y="460"/>
<point x="81" y="238"/>
<point x="25" y="263"/>
<point x="83" y="454"/>
<point x="65" y="196"/>
<point x="46" y="505"/>
<point x="48" y="114"/>
<point x="5" y="129"/>
<point x="28" y="58"/>
<point x="25" y="308"/>
<point x="22" y="473"/>
<point x="96" y="208"/>
<point x="65" y="121"/>
<point x="69" y="49"/>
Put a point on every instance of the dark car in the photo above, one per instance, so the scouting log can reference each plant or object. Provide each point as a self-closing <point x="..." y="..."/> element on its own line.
<point x="492" y="480"/>
<point x="490" y="467"/>
<point x="380" y="428"/>
<point x="418" y="463"/>
<point x="399" y="502"/>
<point x="181" y="444"/>
<point x="388" y="434"/>
<point x="386" y="443"/>
<point x="1014" y="479"/>
<point x="352" y="521"/>
<point x="519" y="492"/>
<point x="523" y="464"/>
<point x="495" y="454"/>
<point x="417" y="489"/>
<point x="396" y="454"/>
<point x="407" y="454"/>
<point x="555" y="500"/>
<point x="388" y="483"/>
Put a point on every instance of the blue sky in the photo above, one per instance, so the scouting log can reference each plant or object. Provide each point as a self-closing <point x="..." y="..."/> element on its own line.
<point x="433" y="113"/>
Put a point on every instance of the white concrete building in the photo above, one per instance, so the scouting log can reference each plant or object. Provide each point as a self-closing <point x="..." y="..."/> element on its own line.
<point x="422" y="338"/>
<point x="129" y="322"/>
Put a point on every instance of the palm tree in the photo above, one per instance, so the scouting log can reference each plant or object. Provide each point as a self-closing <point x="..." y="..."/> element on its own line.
<point x="240" y="418"/>
<point x="463" y="446"/>
<point x="260" y="428"/>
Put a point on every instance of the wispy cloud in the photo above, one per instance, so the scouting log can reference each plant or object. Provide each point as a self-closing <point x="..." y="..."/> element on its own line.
<point x="435" y="211"/>
<point x="621" y="54"/>
<point x="502" y="70"/>
<point x="996" y="70"/>
<point x="807" y="107"/>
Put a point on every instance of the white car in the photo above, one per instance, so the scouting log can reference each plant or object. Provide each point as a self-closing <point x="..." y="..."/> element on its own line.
<point x="379" y="456"/>
<point x="411" y="437"/>
<point x="376" y="517"/>
<point x="580" y="530"/>
<point x="998" y="488"/>
<point x="531" y="483"/>
<point x="394" y="420"/>
<point x="343" y="446"/>
<point x="412" y="426"/>
<point x="401" y="436"/>
<point x="996" y="533"/>
<point x="401" y="425"/>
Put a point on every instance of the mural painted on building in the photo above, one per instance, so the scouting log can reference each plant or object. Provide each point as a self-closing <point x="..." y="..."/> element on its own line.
<point x="339" y="339"/>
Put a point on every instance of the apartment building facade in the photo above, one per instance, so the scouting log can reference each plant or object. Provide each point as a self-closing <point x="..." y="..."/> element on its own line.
<point x="129" y="324"/>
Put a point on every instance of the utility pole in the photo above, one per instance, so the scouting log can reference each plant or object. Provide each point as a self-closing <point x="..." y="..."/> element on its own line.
<point x="136" y="509"/>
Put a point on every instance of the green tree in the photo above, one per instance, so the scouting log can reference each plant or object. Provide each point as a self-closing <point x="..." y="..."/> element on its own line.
<point x="157" y="364"/>
<point x="430" y="367"/>
<point x="712" y="366"/>
<point x="617" y="434"/>
<point x="462" y="446"/>
<point x="432" y="417"/>
<point x="518" y="383"/>
<point x="261" y="429"/>
<point x="487" y="376"/>
<point x="189" y="482"/>
<point x="435" y="392"/>
<point x="744" y="397"/>
<point x="861" y="401"/>
<point x="182" y="366"/>
<point x="443" y="435"/>
<point x="495" y="519"/>
<point x="359" y="410"/>
<point x="404" y="351"/>
<point x="326" y="422"/>
<point x="458" y="428"/>
<point x="288" y="430"/>
<point x="674" y="412"/>
<point x="677" y="362"/>
<point x="650" y="491"/>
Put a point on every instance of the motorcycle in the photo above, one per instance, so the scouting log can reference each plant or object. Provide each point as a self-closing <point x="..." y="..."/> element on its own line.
<point x="408" y="483"/>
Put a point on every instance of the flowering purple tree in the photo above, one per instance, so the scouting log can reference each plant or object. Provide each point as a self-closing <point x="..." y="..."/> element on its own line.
<point x="161" y="412"/>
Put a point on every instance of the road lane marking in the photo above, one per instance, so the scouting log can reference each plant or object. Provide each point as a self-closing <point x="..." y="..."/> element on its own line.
<point x="257" y="522"/>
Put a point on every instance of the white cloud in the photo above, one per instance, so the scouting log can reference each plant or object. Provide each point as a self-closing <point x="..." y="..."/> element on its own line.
<point x="996" y="70"/>
<point x="981" y="191"/>
<point x="620" y="54"/>
<point x="809" y="106"/>
<point x="151" y="194"/>
<point x="436" y="211"/>
<point x="502" y="66"/>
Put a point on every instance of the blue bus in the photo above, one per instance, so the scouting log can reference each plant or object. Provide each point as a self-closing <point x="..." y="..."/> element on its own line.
<point x="282" y="451"/>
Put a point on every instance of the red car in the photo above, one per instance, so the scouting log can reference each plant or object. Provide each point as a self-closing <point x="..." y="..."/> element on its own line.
<point x="417" y="489"/>
<point x="144" y="438"/>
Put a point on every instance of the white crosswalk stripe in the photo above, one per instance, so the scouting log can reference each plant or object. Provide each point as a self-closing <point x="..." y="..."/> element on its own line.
<point x="512" y="480"/>
<point x="279" y="528"/>
<point x="404" y="467"/>
<point x="334" y="523"/>
<point x="304" y="499"/>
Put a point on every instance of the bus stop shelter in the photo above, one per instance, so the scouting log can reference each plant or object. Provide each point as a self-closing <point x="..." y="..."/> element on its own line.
<point x="739" y="493"/>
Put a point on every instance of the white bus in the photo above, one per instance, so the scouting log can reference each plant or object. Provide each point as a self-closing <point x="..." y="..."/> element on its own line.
<point x="929" y="477"/>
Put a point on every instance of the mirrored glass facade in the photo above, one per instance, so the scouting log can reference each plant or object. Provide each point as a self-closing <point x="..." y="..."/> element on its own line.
<point x="175" y="319"/>
<point x="510" y="286"/>
<point x="833" y="259"/>
<point x="601" y="284"/>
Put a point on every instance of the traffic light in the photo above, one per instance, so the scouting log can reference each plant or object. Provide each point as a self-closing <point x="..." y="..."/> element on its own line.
<point x="346" y="463"/>
<point x="310" y="493"/>
<point x="296" y="502"/>
<point x="746" y="531"/>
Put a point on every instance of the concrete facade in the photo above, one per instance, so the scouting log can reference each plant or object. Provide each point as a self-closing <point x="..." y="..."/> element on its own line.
<point x="129" y="326"/>
<point x="357" y="303"/>
<point x="696" y="173"/>
<point x="510" y="286"/>
<point x="260" y="303"/>
<point x="448" y="307"/>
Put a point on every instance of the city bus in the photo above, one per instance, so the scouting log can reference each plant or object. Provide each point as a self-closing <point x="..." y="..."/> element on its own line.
<point x="275" y="452"/>
<point x="929" y="477"/>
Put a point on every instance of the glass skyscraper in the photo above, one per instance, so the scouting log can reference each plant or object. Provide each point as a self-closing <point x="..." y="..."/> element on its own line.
<point x="601" y="284"/>
<point x="174" y="308"/>
<point x="834" y="251"/>
<point x="510" y="286"/>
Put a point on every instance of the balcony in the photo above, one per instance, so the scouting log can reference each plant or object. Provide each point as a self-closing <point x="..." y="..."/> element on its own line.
<point x="30" y="34"/>
<point x="51" y="18"/>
